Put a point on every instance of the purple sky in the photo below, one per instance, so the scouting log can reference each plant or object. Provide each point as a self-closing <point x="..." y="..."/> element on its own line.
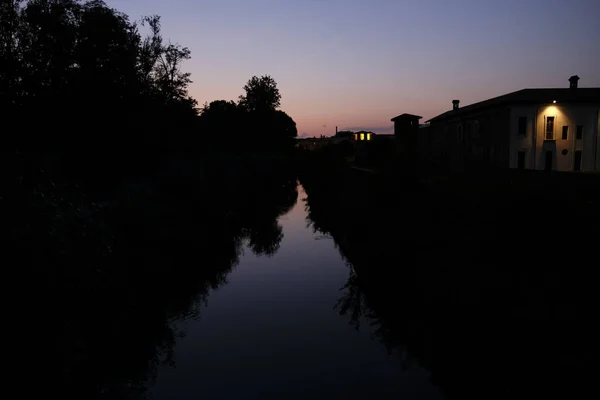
<point x="357" y="63"/>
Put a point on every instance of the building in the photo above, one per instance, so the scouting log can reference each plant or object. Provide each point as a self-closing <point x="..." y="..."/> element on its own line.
<point x="364" y="135"/>
<point x="542" y="129"/>
<point x="406" y="124"/>
<point x="408" y="145"/>
<point x="318" y="143"/>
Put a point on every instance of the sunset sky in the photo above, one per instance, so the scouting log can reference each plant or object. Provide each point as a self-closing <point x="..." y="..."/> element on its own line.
<point x="357" y="63"/>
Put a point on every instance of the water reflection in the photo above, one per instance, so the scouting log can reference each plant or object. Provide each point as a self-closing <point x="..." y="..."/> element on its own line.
<point x="354" y="303"/>
<point x="272" y="333"/>
<point x="483" y="324"/>
<point x="109" y="321"/>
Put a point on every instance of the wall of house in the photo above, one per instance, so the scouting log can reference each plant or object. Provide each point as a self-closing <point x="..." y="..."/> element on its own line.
<point x="472" y="140"/>
<point x="435" y="143"/>
<point x="525" y="142"/>
<point x="423" y="146"/>
<point x="562" y="151"/>
<point x="499" y="140"/>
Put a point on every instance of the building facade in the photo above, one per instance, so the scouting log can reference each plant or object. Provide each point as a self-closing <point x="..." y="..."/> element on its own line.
<point x="562" y="137"/>
<point x="364" y="135"/>
<point x="541" y="129"/>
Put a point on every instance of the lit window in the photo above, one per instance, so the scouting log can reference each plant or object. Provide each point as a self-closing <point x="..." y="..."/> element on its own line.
<point x="549" y="128"/>
<point x="362" y="136"/>
<point x="368" y="136"/>
<point x="355" y="136"/>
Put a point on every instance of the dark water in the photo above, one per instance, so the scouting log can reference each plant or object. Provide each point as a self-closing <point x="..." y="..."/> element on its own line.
<point x="234" y="282"/>
<point x="274" y="330"/>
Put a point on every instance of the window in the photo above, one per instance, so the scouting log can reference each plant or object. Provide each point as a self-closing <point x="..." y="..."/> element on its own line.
<point x="522" y="126"/>
<point x="579" y="133"/>
<point x="368" y="136"/>
<point x="549" y="128"/>
<point x="565" y="133"/>
<point x="521" y="159"/>
<point x="577" y="160"/>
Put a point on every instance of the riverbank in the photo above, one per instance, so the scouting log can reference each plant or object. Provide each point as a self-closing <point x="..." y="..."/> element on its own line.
<point x="448" y="264"/>
<point x="114" y="267"/>
<point x="471" y="272"/>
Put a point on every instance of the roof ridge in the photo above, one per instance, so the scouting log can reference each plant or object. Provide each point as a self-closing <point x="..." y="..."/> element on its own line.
<point x="517" y="97"/>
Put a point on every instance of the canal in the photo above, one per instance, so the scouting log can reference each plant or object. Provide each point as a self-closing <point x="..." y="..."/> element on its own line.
<point x="274" y="330"/>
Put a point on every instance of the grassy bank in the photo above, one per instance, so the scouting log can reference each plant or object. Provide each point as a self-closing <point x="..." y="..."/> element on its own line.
<point x="470" y="272"/>
<point x="113" y="268"/>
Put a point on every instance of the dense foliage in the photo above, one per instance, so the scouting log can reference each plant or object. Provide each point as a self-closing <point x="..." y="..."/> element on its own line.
<point x="253" y="123"/>
<point x="79" y="74"/>
<point x="116" y="221"/>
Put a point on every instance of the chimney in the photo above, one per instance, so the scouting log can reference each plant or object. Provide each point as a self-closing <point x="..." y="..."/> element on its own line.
<point x="573" y="81"/>
<point x="455" y="104"/>
<point x="336" y="131"/>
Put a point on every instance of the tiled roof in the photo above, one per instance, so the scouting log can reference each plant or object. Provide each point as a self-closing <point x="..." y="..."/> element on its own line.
<point x="405" y="116"/>
<point x="529" y="96"/>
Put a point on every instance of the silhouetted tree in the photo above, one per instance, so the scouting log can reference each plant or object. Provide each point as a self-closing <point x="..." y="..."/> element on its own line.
<point x="9" y="54"/>
<point x="161" y="64"/>
<point x="85" y="87"/>
<point x="283" y="125"/>
<point x="261" y="95"/>
<point x="253" y="123"/>
<point x="221" y="117"/>
<point x="86" y="98"/>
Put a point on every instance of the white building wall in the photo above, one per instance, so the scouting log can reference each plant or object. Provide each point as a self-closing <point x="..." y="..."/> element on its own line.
<point x="519" y="142"/>
<point x="536" y="146"/>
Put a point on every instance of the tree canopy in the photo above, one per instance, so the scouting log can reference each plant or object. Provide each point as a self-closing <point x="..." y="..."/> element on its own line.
<point x="252" y="122"/>
<point x="88" y="76"/>
<point x="261" y="95"/>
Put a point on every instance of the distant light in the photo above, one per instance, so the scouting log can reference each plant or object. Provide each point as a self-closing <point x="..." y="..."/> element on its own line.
<point x="554" y="101"/>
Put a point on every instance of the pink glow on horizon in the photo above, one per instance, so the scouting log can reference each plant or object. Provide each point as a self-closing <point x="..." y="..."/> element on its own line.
<point x="357" y="64"/>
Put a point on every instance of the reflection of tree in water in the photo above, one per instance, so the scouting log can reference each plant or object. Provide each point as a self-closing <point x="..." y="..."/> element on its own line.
<point x="264" y="239"/>
<point x="267" y="195"/>
<point x="466" y="322"/>
<point x="111" y="321"/>
<point x="354" y="302"/>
